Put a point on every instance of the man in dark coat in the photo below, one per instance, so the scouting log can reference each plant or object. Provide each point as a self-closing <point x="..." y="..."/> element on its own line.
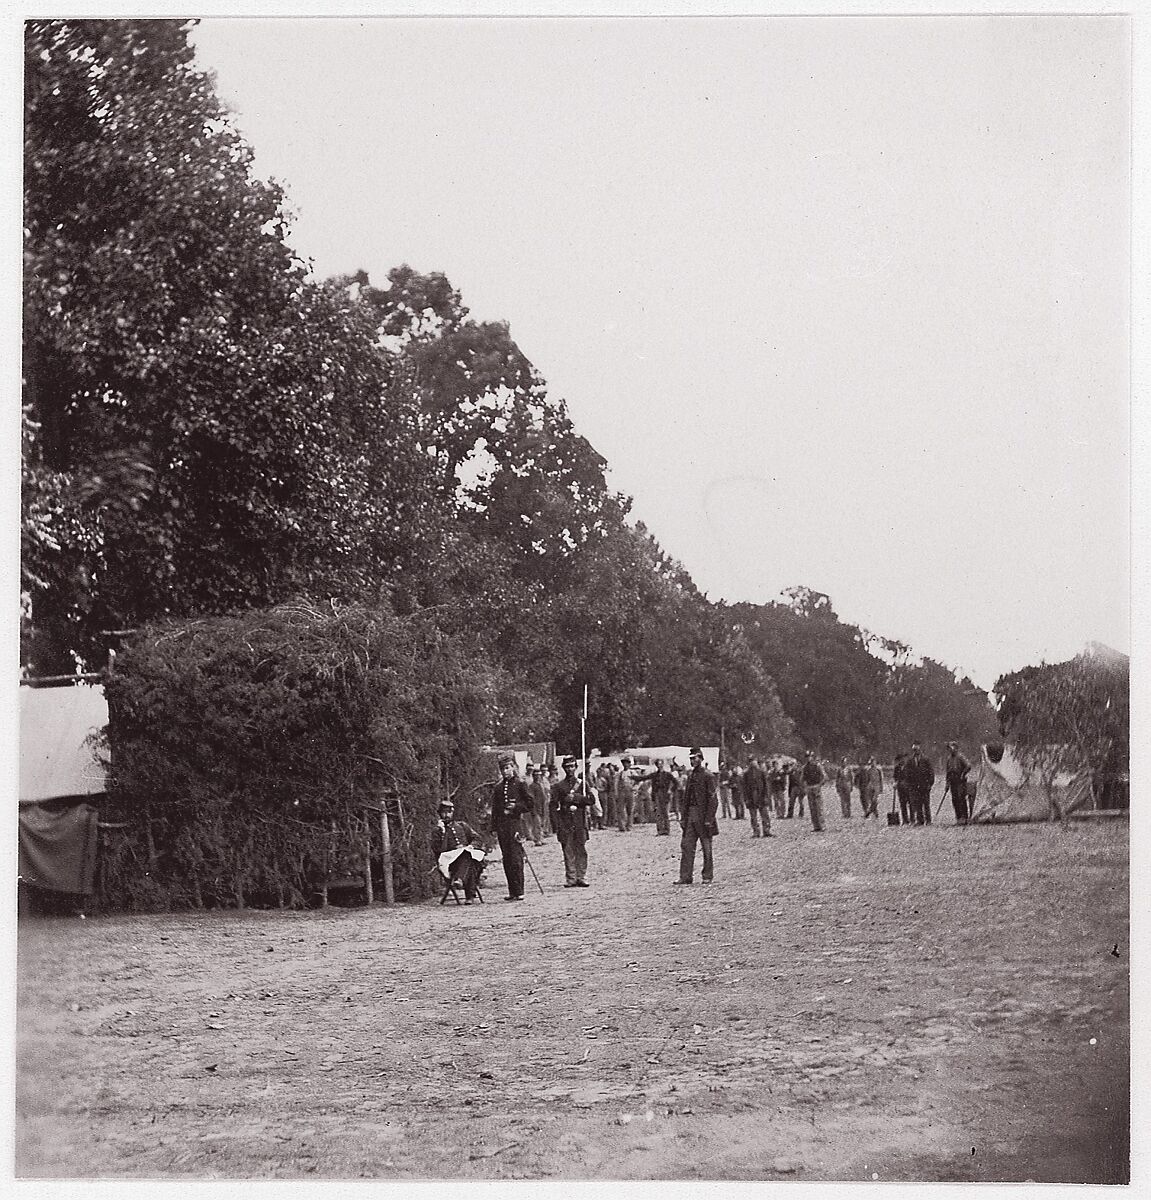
<point x="510" y="800"/>
<point x="813" y="777"/>
<point x="698" y="808"/>
<point x="755" y="792"/>
<point x="956" y="771"/>
<point x="903" y="795"/>
<point x="920" y="777"/>
<point x="456" y="846"/>
<point x="570" y="803"/>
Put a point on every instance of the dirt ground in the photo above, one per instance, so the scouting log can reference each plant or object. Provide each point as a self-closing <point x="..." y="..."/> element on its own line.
<point x="869" y="1003"/>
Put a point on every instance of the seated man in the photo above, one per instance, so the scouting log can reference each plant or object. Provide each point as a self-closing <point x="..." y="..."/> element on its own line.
<point x="457" y="849"/>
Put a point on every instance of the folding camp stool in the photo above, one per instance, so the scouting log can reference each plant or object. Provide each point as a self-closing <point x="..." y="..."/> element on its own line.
<point x="455" y="886"/>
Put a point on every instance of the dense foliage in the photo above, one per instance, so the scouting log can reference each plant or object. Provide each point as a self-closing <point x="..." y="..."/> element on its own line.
<point x="1064" y="716"/>
<point x="251" y="753"/>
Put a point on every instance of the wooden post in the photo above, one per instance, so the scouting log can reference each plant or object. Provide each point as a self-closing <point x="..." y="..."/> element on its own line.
<point x="386" y="837"/>
<point x="368" y="859"/>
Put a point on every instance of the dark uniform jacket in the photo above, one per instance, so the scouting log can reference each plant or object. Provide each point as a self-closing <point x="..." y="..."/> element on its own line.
<point x="919" y="775"/>
<point x="957" y="768"/>
<point x="450" y="835"/>
<point x="661" y="781"/>
<point x="566" y="793"/>
<point x="510" y="799"/>
<point x="700" y="792"/>
<point x="755" y="786"/>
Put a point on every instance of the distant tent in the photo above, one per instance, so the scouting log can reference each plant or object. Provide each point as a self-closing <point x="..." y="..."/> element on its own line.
<point x="646" y="755"/>
<point x="1008" y="791"/>
<point x="60" y="777"/>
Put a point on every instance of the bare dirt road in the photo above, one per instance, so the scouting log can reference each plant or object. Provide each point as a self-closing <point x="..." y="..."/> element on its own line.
<point x="869" y="1003"/>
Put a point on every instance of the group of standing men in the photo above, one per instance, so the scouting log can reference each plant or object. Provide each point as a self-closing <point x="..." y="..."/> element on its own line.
<point x="568" y="808"/>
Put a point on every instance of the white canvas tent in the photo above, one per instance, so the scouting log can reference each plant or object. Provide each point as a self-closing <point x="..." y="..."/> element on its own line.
<point x="645" y="756"/>
<point x="1007" y="791"/>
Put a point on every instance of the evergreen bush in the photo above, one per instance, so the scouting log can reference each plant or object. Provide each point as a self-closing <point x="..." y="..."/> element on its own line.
<point x="251" y="754"/>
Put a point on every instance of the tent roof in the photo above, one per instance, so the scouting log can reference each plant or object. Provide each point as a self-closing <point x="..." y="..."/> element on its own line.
<point x="57" y="757"/>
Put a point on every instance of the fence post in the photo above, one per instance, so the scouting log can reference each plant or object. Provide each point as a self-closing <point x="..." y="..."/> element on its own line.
<point x="386" y="837"/>
<point x="368" y="859"/>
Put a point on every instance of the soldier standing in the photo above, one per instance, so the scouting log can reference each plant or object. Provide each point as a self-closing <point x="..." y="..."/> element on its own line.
<point x="870" y="786"/>
<point x="510" y="800"/>
<point x="902" y="794"/>
<point x="920" y="776"/>
<point x="813" y="777"/>
<point x="844" y="777"/>
<point x="570" y="803"/>
<point x="662" y="784"/>
<point x="777" y="779"/>
<point x="540" y="794"/>
<point x="755" y="792"/>
<point x="699" y="803"/>
<point x="956" y="771"/>
<point x="624" y="798"/>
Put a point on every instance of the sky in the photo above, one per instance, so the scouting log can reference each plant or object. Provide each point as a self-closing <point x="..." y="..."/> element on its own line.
<point x="844" y="302"/>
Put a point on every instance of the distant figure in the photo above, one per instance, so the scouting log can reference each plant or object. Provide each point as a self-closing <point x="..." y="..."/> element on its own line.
<point x="541" y="795"/>
<point x="902" y="793"/>
<point x="569" y="808"/>
<point x="870" y="787"/>
<point x="920" y="776"/>
<point x="956" y="771"/>
<point x="456" y="846"/>
<point x="699" y="804"/>
<point x="725" y="789"/>
<point x="794" y="789"/>
<point x="844" y="778"/>
<point x="777" y="783"/>
<point x="813" y="778"/>
<point x="737" y="798"/>
<point x="663" y="785"/>
<point x="624" y="798"/>
<point x="755" y="793"/>
<point x="605" y="790"/>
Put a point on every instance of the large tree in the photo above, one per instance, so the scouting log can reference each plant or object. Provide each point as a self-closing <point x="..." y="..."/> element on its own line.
<point x="1069" y="715"/>
<point x="206" y="428"/>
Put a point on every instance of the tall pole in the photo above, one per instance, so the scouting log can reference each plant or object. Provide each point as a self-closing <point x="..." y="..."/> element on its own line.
<point x="583" y="744"/>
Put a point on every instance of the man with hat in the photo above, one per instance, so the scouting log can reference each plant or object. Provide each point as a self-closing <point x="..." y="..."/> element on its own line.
<point x="624" y="797"/>
<point x="919" y="775"/>
<point x="956" y="771"/>
<point x="456" y="847"/>
<point x="697" y="816"/>
<point x="813" y="777"/>
<point x="510" y="799"/>
<point x="570" y="803"/>
<point x="540" y="794"/>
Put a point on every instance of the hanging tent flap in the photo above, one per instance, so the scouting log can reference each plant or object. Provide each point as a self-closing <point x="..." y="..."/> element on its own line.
<point x="58" y="846"/>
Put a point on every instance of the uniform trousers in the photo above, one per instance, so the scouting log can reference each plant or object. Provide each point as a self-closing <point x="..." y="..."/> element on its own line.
<point x="958" y="789"/>
<point x="693" y="832"/>
<point x="921" y="806"/>
<point x="662" y="817"/>
<point x="760" y="817"/>
<point x="844" y="799"/>
<point x="573" y="841"/>
<point x="513" y="856"/>
<point x="815" y="803"/>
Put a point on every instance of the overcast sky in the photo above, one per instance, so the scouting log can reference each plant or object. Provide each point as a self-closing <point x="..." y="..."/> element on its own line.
<point x="843" y="301"/>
